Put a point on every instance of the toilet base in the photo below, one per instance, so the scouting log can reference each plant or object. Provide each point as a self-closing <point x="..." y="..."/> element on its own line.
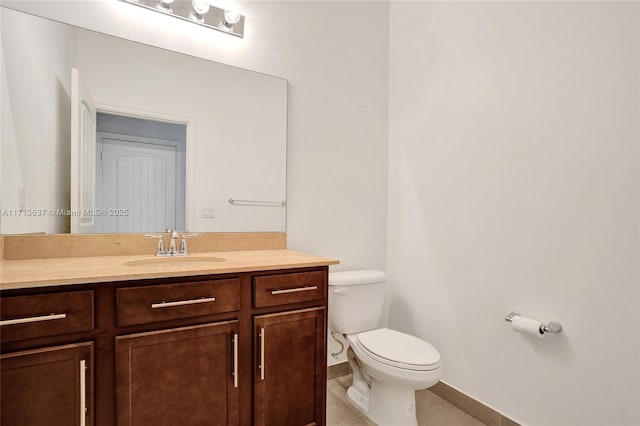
<point x="385" y="405"/>
<point x="358" y="395"/>
<point x="390" y="405"/>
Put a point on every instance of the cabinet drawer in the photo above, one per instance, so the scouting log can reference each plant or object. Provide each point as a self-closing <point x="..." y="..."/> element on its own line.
<point x="139" y="305"/>
<point x="28" y="317"/>
<point x="281" y="289"/>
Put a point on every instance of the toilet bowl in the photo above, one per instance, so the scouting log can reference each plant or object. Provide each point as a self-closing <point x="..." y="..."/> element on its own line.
<point x="388" y="366"/>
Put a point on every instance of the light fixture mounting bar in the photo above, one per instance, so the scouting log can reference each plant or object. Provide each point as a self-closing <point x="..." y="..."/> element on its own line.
<point x="214" y="18"/>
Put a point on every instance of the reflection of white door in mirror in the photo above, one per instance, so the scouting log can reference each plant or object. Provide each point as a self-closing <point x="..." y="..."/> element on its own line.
<point x="140" y="184"/>
<point x="140" y="173"/>
<point x="83" y="142"/>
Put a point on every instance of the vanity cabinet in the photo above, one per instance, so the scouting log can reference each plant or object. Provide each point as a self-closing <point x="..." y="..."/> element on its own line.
<point x="52" y="386"/>
<point x="183" y="375"/>
<point x="289" y="381"/>
<point x="245" y="348"/>
<point x="47" y="384"/>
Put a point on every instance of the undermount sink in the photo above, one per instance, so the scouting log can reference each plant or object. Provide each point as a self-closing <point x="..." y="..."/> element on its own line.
<point x="176" y="261"/>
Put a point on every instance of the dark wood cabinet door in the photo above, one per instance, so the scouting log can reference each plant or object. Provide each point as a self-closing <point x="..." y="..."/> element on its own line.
<point x="181" y="376"/>
<point x="47" y="387"/>
<point x="289" y="360"/>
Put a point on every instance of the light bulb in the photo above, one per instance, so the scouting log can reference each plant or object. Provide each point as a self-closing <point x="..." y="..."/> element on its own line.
<point x="231" y="17"/>
<point x="165" y="5"/>
<point x="200" y="7"/>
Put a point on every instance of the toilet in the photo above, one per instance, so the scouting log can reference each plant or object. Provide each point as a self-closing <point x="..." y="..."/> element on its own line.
<point x="388" y="366"/>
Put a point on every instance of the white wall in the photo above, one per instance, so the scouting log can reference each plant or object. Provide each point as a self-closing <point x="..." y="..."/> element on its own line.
<point x="334" y="56"/>
<point x="35" y="87"/>
<point x="513" y="185"/>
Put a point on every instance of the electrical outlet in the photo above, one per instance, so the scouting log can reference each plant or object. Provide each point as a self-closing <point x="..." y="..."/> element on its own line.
<point x="208" y="212"/>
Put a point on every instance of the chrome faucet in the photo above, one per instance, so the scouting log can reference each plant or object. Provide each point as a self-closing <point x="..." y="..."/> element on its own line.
<point x="173" y="237"/>
<point x="173" y="243"/>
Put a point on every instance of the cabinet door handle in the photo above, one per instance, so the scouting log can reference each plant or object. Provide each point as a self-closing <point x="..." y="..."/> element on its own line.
<point x="33" y="319"/>
<point x="262" y="354"/>
<point x="235" y="360"/>
<point x="83" y="390"/>
<point x="295" y="290"/>
<point x="183" y="302"/>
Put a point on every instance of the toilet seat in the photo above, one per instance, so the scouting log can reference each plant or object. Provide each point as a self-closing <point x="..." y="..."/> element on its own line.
<point x="398" y="349"/>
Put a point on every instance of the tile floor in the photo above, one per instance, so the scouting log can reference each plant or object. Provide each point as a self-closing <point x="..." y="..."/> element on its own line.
<point x="431" y="409"/>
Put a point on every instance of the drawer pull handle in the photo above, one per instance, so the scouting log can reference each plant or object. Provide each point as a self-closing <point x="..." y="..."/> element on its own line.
<point x="33" y="319"/>
<point x="182" y="302"/>
<point x="262" y="354"/>
<point x="83" y="392"/>
<point x="295" y="290"/>
<point x="235" y="360"/>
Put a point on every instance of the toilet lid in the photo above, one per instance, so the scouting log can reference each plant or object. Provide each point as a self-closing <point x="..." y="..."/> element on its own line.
<point x="400" y="350"/>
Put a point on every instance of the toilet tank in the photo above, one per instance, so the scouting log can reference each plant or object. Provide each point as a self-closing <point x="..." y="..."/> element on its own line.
<point x="356" y="299"/>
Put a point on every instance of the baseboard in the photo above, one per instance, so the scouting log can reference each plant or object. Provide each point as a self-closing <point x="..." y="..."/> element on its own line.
<point x="472" y="407"/>
<point x="338" y="370"/>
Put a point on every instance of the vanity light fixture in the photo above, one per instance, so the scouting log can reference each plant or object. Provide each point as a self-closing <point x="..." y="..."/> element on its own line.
<point x="199" y="12"/>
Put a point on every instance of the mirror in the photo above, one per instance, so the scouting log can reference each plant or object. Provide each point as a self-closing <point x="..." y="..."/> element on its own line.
<point x="176" y="141"/>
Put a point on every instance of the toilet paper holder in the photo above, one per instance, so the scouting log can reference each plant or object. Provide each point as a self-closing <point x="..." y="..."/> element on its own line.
<point x="550" y="327"/>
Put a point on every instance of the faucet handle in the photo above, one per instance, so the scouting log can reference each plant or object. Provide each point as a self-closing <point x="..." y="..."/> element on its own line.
<point x="160" y="247"/>
<point x="183" y="244"/>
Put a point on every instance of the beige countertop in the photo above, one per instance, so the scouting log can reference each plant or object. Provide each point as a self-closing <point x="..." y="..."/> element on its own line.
<point x="30" y="273"/>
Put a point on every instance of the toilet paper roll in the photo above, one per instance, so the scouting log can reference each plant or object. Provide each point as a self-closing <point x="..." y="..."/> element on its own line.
<point x="527" y="326"/>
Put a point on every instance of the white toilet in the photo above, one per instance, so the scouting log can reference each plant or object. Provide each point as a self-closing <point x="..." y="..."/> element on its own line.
<point x="388" y="366"/>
